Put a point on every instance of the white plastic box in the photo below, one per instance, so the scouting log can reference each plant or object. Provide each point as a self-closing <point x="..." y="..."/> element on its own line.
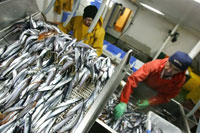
<point x="161" y="123"/>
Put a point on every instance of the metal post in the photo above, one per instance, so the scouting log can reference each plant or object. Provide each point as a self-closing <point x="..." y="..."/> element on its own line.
<point x="106" y="9"/>
<point x="72" y="13"/>
<point x="192" y="54"/>
<point x="195" y="50"/>
<point x="45" y="3"/>
<point x="166" y="41"/>
<point x="193" y="110"/>
<point x="98" y="15"/>
<point x="49" y="7"/>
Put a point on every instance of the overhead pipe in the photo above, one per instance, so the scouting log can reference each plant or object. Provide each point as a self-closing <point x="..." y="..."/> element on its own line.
<point x="51" y="4"/>
<point x="166" y="41"/>
<point x="72" y="13"/>
<point x="98" y="15"/>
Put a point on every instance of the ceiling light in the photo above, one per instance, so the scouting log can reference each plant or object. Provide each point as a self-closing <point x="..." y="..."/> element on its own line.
<point x="197" y="1"/>
<point x="152" y="9"/>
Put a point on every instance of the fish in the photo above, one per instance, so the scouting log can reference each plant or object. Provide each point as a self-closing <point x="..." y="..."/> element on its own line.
<point x="26" y="110"/>
<point x="71" y="86"/>
<point x="84" y="78"/>
<point x="10" y="48"/>
<point x="131" y="121"/>
<point x="17" y="91"/>
<point x="3" y="49"/>
<point x="44" y="125"/>
<point x="73" y="121"/>
<point x="42" y="119"/>
<point x="42" y="75"/>
<point x="6" y="63"/>
<point x="69" y="115"/>
<point x="46" y="88"/>
<point x="47" y="34"/>
<point x="27" y="123"/>
<point x="51" y="75"/>
<point x="66" y="66"/>
<point x="32" y="23"/>
<point x="50" y="125"/>
<point x="11" y="109"/>
<point x="30" y="39"/>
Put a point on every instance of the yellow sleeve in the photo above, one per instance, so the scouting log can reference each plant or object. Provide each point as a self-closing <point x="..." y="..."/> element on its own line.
<point x="57" y="7"/>
<point x="67" y="28"/>
<point x="68" y="5"/>
<point x="98" y="42"/>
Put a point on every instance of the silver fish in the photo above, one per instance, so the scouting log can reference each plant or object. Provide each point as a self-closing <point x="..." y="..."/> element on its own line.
<point x="44" y="125"/>
<point x="84" y="78"/>
<point x="42" y="119"/>
<point x="48" y="128"/>
<point x="11" y="109"/>
<point x="73" y="122"/>
<point x="10" y="48"/>
<point x="52" y="73"/>
<point x="17" y="91"/>
<point x="27" y="124"/>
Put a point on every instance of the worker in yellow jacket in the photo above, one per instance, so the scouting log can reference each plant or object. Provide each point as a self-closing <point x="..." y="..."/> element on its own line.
<point x="80" y="24"/>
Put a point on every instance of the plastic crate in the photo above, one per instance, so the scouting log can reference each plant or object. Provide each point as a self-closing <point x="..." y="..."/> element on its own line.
<point x="164" y="125"/>
<point x="116" y="50"/>
<point x="106" y="43"/>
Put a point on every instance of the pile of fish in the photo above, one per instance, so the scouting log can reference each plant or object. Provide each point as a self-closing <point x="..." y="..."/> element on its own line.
<point x="38" y="76"/>
<point x="131" y="121"/>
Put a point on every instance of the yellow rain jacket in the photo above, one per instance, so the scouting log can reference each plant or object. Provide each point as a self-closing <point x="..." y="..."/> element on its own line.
<point x="94" y="39"/>
<point x="65" y="5"/>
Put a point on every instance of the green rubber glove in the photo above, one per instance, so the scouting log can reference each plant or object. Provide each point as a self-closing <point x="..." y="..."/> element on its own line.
<point x="119" y="110"/>
<point x="143" y="104"/>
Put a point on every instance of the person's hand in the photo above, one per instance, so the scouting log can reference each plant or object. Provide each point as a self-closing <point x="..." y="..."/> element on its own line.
<point x="143" y="104"/>
<point x="119" y="110"/>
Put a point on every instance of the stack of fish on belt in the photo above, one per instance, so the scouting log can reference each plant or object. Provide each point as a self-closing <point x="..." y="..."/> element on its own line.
<point x="131" y="121"/>
<point x="35" y="90"/>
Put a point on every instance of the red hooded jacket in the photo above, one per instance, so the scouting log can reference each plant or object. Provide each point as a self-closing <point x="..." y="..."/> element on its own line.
<point x="150" y="73"/>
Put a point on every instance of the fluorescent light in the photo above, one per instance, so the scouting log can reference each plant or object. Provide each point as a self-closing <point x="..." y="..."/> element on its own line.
<point x="197" y="1"/>
<point x="152" y="9"/>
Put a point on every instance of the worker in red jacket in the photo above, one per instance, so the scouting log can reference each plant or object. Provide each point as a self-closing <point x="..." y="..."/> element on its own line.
<point x="166" y="76"/>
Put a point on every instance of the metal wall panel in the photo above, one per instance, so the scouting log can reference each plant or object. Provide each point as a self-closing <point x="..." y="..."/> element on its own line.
<point x="14" y="10"/>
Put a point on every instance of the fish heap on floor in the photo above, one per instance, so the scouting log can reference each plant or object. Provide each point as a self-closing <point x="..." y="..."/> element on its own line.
<point x="38" y="74"/>
<point x="131" y="121"/>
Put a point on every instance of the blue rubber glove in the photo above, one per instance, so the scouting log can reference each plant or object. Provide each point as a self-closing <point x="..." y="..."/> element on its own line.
<point x="119" y="110"/>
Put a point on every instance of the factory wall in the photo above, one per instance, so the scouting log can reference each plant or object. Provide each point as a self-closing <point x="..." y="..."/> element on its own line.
<point x="151" y="29"/>
<point x="148" y="28"/>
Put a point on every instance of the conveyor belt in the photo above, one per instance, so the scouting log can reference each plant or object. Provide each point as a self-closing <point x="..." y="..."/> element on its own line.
<point x="83" y="92"/>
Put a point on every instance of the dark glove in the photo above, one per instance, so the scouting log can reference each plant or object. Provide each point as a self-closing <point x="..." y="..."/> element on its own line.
<point x="119" y="110"/>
